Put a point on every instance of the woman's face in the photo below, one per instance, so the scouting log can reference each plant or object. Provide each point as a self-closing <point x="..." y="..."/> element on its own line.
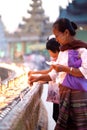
<point x="60" y="36"/>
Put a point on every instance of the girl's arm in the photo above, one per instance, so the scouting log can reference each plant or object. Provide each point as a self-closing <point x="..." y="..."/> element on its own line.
<point x="40" y="72"/>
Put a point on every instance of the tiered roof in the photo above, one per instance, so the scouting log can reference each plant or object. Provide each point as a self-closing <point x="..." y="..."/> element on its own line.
<point x="76" y="11"/>
<point x="38" y="23"/>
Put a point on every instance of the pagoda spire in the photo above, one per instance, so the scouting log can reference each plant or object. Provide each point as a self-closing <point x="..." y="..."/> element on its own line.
<point x="37" y="12"/>
<point x="38" y="23"/>
<point x="36" y="7"/>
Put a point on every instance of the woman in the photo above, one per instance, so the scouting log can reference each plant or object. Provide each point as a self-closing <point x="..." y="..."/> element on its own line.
<point x="52" y="47"/>
<point x="73" y="101"/>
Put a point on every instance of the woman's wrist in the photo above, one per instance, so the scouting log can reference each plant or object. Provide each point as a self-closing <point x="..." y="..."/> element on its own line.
<point x="67" y="69"/>
<point x="71" y="69"/>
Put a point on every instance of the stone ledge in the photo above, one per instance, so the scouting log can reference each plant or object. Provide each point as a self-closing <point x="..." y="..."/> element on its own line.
<point x="27" y="114"/>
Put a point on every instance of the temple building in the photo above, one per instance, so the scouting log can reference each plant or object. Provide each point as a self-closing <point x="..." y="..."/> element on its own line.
<point x="37" y="24"/>
<point x="32" y="33"/>
<point x="77" y="12"/>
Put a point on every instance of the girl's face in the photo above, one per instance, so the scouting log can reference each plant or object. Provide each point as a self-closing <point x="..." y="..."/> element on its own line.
<point x="61" y="37"/>
<point x="52" y="54"/>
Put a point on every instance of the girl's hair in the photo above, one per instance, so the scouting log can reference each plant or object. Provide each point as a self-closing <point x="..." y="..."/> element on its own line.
<point x="63" y="23"/>
<point x="52" y="45"/>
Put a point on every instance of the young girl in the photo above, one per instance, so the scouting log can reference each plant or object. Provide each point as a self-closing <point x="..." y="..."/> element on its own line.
<point x="52" y="47"/>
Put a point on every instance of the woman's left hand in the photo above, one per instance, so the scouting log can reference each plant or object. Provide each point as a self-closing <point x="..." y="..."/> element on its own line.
<point x="58" y="67"/>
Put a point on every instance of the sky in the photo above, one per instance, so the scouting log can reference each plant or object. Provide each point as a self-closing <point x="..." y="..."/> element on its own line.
<point x="12" y="11"/>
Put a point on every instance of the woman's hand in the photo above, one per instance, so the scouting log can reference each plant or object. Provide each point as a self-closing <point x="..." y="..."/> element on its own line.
<point x="30" y="73"/>
<point x="58" y="68"/>
<point x="32" y="79"/>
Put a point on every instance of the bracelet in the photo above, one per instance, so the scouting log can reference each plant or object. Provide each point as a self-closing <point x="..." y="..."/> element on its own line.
<point x="71" y="69"/>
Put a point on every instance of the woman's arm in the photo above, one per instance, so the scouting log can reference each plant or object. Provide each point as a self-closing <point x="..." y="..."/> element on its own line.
<point x="33" y="79"/>
<point x="73" y="71"/>
<point x="70" y="70"/>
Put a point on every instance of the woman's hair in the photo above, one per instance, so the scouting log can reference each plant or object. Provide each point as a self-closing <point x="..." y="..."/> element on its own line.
<point x="63" y="23"/>
<point x="52" y="45"/>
